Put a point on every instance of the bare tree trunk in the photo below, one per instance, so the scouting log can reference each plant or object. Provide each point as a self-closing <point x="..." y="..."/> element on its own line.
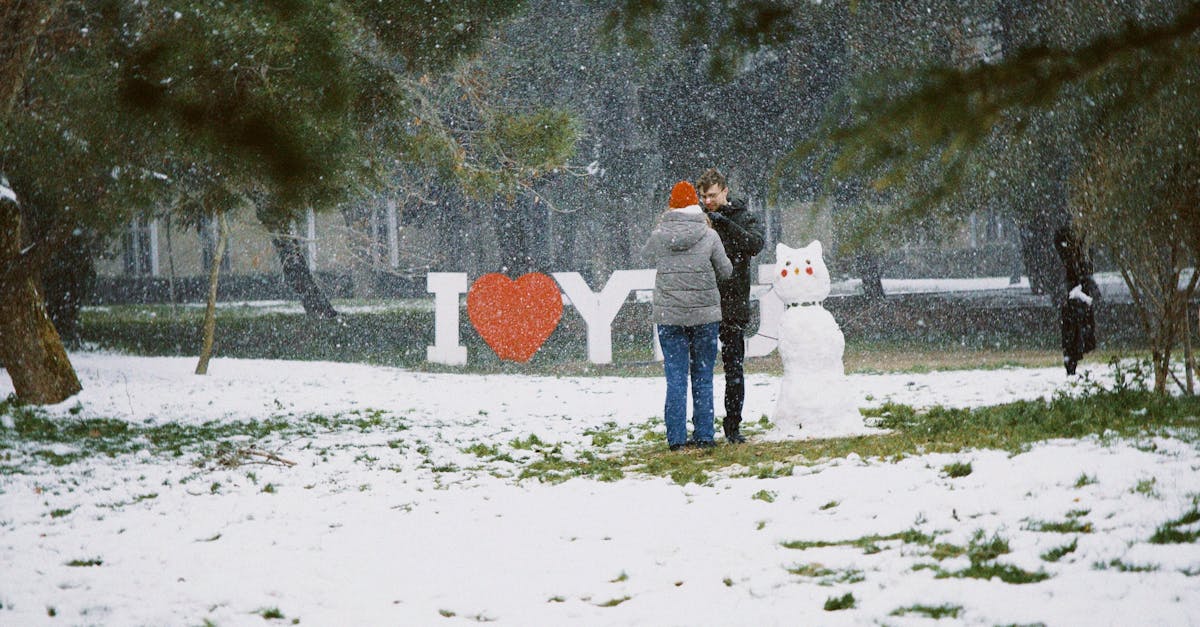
<point x="30" y="347"/>
<point x="31" y="351"/>
<point x="210" y="312"/>
<point x="298" y="277"/>
<point x="171" y="271"/>
<point x="867" y="265"/>
<point x="1187" y="352"/>
<point x="1042" y="265"/>
<point x="362" y="254"/>
<point x="295" y="266"/>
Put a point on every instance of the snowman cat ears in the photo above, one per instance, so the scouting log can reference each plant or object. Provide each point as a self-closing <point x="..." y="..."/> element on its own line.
<point x="814" y="246"/>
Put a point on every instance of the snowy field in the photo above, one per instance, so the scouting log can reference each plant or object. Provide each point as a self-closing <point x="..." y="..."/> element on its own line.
<point x="394" y="522"/>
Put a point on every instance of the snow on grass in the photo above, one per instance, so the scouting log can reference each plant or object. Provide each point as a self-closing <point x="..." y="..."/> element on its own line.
<point x="405" y="506"/>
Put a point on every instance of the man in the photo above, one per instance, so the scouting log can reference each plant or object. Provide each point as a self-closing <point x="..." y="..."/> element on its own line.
<point x="1076" y="310"/>
<point x="742" y="235"/>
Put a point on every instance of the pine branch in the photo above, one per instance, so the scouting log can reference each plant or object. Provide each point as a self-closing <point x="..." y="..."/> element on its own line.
<point x="947" y="112"/>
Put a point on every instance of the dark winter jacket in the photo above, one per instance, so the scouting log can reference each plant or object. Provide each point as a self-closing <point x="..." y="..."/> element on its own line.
<point x="742" y="235"/>
<point x="688" y="259"/>
<point x="1079" y="319"/>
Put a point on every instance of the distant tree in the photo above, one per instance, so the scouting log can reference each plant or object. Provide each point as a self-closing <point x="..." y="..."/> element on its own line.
<point x="927" y="129"/>
<point x="1103" y="113"/>
<point x="1138" y="198"/>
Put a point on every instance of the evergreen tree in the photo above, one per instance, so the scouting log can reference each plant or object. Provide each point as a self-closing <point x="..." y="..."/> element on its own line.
<point x="112" y="109"/>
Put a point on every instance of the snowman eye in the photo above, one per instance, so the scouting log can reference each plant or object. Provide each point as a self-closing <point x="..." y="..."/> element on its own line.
<point x="808" y="262"/>
<point x="788" y="263"/>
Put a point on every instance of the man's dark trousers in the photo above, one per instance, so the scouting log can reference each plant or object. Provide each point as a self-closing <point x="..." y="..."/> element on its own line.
<point x="733" y="356"/>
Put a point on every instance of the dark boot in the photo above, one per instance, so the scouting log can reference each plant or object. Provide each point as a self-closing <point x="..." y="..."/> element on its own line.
<point x="733" y="429"/>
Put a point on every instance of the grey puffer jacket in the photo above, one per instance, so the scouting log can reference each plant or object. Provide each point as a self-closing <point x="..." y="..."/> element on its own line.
<point x="689" y="260"/>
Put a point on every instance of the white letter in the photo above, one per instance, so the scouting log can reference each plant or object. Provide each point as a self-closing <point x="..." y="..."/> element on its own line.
<point x="770" y="311"/>
<point x="446" y="286"/>
<point x="598" y="310"/>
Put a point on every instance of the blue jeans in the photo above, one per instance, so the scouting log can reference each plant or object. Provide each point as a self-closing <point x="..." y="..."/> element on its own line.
<point x="689" y="350"/>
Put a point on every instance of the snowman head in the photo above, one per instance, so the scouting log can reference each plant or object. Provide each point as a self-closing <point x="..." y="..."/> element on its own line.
<point x="800" y="273"/>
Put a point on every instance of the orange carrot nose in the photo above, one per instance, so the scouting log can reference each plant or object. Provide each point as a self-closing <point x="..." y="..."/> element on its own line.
<point x="808" y="269"/>
<point x="784" y="273"/>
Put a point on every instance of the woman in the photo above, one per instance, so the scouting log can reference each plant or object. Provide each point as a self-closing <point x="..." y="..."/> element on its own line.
<point x="689" y="259"/>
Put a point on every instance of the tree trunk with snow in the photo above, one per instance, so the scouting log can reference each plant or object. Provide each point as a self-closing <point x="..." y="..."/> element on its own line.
<point x="210" y="312"/>
<point x="30" y="347"/>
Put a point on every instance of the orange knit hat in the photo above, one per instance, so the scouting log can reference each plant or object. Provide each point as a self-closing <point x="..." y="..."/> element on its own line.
<point x="683" y="195"/>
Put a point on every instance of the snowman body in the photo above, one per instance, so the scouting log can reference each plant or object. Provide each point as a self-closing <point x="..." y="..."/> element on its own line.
<point x="814" y="394"/>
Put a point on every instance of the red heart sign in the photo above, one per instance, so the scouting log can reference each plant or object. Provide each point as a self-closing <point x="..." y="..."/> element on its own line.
<point x="514" y="317"/>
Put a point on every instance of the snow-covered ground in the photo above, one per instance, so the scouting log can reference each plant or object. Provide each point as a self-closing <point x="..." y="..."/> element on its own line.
<point x="397" y="524"/>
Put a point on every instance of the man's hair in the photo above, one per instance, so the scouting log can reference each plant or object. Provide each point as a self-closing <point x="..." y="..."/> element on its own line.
<point x="709" y="178"/>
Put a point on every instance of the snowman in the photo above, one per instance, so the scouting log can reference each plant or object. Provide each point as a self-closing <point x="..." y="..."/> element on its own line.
<point x="814" y="393"/>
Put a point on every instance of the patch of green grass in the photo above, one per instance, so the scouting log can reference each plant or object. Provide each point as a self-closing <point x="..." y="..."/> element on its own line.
<point x="844" y="602"/>
<point x="396" y="333"/>
<point x="34" y="427"/>
<point x="869" y="544"/>
<point x="93" y="561"/>
<point x="810" y="570"/>
<point x="556" y="599"/>
<point x="1085" y="480"/>
<point x="526" y="444"/>
<point x="827" y="576"/>
<point x="1070" y="525"/>
<point x="447" y="613"/>
<point x="829" y="505"/>
<point x="764" y="495"/>
<point x="1005" y="572"/>
<point x="614" y="602"/>
<point x="619" y="578"/>
<point x="945" y="550"/>
<point x="983" y="549"/>
<point x="488" y="452"/>
<point x="553" y="468"/>
<point x="271" y="613"/>
<point x="1126" y="567"/>
<point x="59" y="513"/>
<point x="770" y="470"/>
<point x="684" y="476"/>
<point x="936" y="612"/>
<point x="1010" y="427"/>
<point x="1145" y="487"/>
<point x="608" y="433"/>
<point x="957" y="469"/>
<point x="1058" y="552"/>
<point x="1170" y="532"/>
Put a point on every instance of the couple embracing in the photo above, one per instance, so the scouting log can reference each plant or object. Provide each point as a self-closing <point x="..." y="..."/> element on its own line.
<point x="702" y="258"/>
